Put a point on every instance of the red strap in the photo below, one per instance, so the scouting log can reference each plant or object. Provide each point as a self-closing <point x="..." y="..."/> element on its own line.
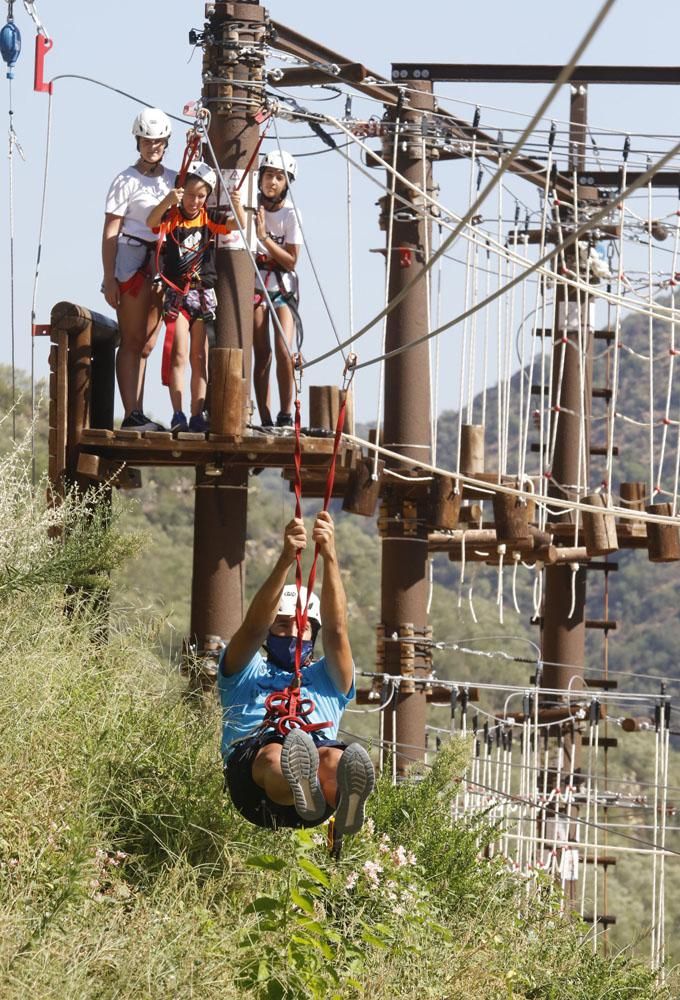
<point x="254" y="154"/>
<point x="167" y="350"/>
<point x="287" y="709"/>
<point x="300" y="613"/>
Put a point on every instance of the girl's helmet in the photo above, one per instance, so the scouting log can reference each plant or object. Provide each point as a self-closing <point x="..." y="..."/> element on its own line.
<point x="204" y="173"/>
<point x="280" y="160"/>
<point x="152" y="123"/>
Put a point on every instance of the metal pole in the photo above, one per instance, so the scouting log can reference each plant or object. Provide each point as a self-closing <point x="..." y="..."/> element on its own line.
<point x="407" y="430"/>
<point x="563" y="638"/>
<point x="232" y="68"/>
<point x="564" y="616"/>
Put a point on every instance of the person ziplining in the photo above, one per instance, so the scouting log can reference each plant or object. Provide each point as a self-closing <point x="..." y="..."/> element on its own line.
<point x="283" y="763"/>
<point x="296" y="779"/>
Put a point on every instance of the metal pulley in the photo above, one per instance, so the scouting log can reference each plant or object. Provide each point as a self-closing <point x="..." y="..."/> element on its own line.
<point x="10" y="43"/>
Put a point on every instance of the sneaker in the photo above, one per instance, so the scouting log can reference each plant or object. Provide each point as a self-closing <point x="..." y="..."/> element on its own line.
<point x="179" y="424"/>
<point x="300" y="767"/>
<point x="138" y="421"/>
<point x="356" y="780"/>
<point x="199" y="424"/>
<point x="284" y="420"/>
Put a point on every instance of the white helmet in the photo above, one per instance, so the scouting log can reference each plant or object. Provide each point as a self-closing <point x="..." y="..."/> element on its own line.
<point x="276" y="160"/>
<point x="151" y="123"/>
<point x="204" y="173"/>
<point x="289" y="599"/>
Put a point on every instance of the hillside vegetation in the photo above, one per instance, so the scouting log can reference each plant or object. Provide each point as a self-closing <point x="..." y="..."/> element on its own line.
<point x="124" y="872"/>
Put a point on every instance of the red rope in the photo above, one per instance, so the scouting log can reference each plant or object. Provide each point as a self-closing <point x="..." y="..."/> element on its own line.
<point x="287" y="709"/>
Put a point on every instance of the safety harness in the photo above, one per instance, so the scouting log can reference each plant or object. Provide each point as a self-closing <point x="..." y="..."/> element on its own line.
<point x="288" y="709"/>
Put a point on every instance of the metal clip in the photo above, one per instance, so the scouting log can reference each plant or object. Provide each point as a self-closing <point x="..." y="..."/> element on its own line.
<point x="348" y="371"/>
<point x="298" y="363"/>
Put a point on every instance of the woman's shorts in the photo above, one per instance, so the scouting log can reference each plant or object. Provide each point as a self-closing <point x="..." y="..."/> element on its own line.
<point x="132" y="256"/>
<point x="250" y="800"/>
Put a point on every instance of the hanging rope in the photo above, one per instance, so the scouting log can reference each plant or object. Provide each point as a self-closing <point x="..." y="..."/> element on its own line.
<point x="288" y="709"/>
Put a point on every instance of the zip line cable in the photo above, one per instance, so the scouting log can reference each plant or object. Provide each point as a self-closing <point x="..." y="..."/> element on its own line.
<point x="562" y="78"/>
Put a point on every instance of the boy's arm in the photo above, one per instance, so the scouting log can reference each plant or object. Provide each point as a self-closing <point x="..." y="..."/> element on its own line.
<point x="155" y="216"/>
<point x="262" y="611"/>
<point x="238" y="212"/>
<point x="112" y="225"/>
<point x="336" y="647"/>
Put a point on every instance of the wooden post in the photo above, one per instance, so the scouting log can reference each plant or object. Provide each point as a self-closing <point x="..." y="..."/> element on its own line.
<point x="362" y="491"/>
<point x="511" y="517"/>
<point x="324" y="406"/>
<point x="663" y="540"/>
<point x="445" y="497"/>
<point x="471" y="449"/>
<point x="226" y="381"/>
<point x="599" y="528"/>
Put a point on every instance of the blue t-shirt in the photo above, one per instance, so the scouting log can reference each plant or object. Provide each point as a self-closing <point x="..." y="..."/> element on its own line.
<point x="243" y="695"/>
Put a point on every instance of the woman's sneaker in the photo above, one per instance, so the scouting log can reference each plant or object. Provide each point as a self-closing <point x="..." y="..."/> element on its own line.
<point x="300" y="767"/>
<point x="199" y="424"/>
<point x="284" y="420"/>
<point x="178" y="424"/>
<point x="138" y="421"/>
<point x="356" y="780"/>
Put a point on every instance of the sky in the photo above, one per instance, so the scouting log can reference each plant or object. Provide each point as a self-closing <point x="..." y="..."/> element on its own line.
<point x="143" y="49"/>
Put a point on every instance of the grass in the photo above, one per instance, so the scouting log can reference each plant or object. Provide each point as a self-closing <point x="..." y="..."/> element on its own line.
<point x="125" y="873"/>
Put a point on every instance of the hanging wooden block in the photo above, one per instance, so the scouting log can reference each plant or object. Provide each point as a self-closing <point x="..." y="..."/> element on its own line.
<point x="511" y="517"/>
<point x="226" y="398"/>
<point x="362" y="491"/>
<point x="633" y="496"/>
<point x="599" y="529"/>
<point x="663" y="540"/>
<point x="444" y="500"/>
<point x="471" y="449"/>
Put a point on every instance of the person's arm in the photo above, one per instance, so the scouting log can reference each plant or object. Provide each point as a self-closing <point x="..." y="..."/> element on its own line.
<point x="112" y="224"/>
<point x="285" y="256"/>
<point x="262" y="611"/>
<point x="334" y="633"/>
<point x="155" y="216"/>
<point x="238" y="213"/>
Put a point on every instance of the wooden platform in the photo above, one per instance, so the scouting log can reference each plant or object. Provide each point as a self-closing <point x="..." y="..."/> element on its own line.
<point x="253" y="449"/>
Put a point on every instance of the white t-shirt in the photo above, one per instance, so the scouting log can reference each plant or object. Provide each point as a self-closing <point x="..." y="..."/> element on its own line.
<point x="283" y="226"/>
<point x="132" y="195"/>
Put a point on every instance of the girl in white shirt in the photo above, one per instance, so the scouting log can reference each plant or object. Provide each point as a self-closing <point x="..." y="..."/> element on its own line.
<point x="280" y="238"/>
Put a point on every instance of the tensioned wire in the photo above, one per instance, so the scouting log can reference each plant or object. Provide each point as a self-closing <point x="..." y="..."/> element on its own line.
<point x="470" y="233"/>
<point x="562" y="78"/>
<point x="585" y="227"/>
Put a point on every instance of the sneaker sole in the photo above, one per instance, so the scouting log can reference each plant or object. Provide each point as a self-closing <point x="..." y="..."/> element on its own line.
<point x="300" y="766"/>
<point x="356" y="781"/>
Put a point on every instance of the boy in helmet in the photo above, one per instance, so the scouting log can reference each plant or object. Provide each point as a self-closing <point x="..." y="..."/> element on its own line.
<point x="299" y="780"/>
<point x="279" y="241"/>
<point x="189" y="276"/>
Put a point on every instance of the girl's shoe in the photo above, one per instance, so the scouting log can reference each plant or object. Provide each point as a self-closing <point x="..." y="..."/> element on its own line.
<point x="178" y="424"/>
<point x="199" y="424"/>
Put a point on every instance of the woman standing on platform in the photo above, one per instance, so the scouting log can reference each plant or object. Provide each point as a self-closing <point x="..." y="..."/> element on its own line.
<point x="128" y="256"/>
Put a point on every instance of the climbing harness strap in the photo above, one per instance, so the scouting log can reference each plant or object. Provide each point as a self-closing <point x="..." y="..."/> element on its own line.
<point x="287" y="709"/>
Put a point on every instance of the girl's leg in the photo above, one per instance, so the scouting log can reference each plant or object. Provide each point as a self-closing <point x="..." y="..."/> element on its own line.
<point x="284" y="364"/>
<point x="199" y="366"/>
<point x="138" y="320"/>
<point x="178" y="361"/>
<point x="263" y="362"/>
